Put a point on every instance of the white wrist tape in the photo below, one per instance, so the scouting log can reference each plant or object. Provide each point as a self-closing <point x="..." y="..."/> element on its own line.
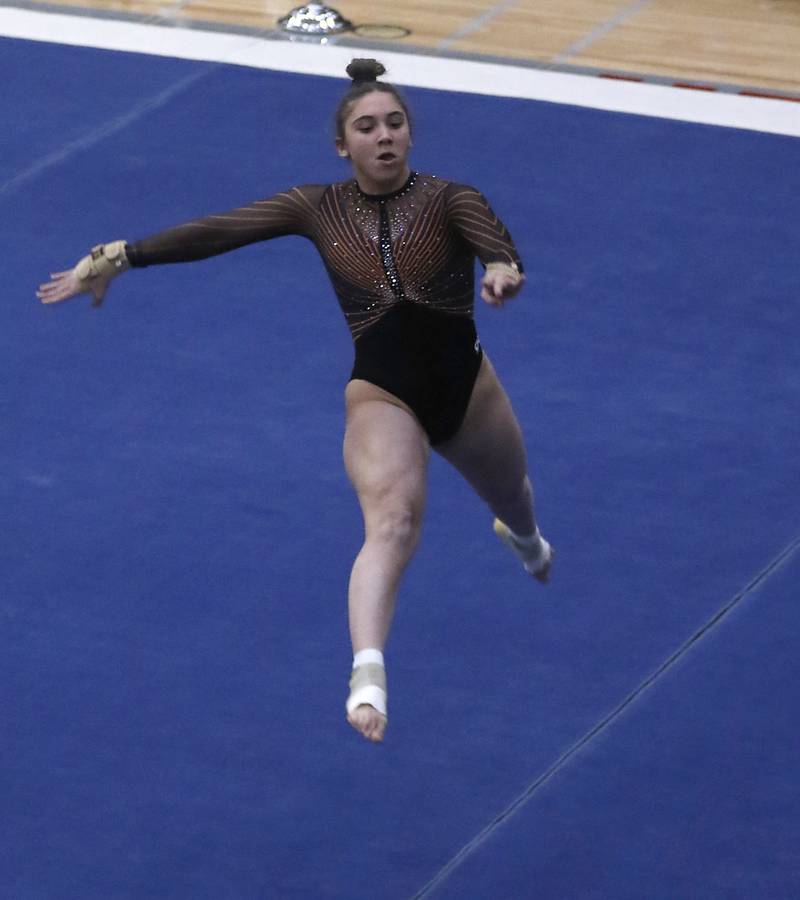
<point x="105" y="260"/>
<point x="510" y="269"/>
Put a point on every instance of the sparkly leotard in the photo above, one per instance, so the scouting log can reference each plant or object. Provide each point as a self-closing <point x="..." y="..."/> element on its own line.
<point x="402" y="267"/>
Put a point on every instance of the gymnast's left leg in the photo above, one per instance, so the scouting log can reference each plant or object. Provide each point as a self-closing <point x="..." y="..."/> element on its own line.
<point x="489" y="451"/>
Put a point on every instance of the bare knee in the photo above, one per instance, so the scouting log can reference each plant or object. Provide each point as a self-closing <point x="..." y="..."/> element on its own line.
<point x="397" y="524"/>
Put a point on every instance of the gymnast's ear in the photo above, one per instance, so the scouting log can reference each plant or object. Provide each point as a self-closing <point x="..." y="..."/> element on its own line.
<point x="341" y="149"/>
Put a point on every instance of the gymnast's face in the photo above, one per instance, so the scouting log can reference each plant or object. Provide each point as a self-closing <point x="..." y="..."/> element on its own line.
<point x="376" y="141"/>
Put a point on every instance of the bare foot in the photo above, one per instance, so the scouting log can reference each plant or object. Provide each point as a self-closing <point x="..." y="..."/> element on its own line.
<point x="368" y="721"/>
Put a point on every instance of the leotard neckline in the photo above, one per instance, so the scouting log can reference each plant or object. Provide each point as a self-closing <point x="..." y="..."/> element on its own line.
<point x="392" y="194"/>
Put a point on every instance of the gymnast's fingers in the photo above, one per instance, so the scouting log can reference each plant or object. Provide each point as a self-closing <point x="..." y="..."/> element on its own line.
<point x="489" y="295"/>
<point x="62" y="286"/>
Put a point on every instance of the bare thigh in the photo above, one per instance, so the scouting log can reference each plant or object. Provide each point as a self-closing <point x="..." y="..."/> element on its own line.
<point x="488" y="449"/>
<point x="385" y="455"/>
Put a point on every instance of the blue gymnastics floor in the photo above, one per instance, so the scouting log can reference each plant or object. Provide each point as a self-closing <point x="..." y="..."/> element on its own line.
<point x="178" y="530"/>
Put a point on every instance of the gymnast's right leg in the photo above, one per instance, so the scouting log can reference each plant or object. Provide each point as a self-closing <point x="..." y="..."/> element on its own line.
<point x="386" y="456"/>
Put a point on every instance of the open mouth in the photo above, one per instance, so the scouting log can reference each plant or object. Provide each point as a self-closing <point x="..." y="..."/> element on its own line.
<point x="387" y="157"/>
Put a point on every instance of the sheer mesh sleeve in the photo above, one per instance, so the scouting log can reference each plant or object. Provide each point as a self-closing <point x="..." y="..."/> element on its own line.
<point x="472" y="217"/>
<point x="290" y="212"/>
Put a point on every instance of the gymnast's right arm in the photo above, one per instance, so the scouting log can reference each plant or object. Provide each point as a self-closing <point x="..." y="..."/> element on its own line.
<point x="291" y="212"/>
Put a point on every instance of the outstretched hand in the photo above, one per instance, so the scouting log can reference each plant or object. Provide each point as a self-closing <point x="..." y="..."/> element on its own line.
<point x="91" y="275"/>
<point x="500" y="282"/>
<point x="64" y="285"/>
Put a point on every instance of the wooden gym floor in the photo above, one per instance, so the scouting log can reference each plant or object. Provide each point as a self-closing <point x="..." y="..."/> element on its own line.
<point x="727" y="44"/>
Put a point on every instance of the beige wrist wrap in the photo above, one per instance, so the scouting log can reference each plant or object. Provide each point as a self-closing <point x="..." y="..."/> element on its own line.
<point x="510" y="269"/>
<point x="105" y="260"/>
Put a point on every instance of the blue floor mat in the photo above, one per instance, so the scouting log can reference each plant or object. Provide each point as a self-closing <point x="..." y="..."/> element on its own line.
<point x="179" y="530"/>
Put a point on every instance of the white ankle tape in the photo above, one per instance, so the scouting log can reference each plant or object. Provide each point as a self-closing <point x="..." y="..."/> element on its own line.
<point x="542" y="558"/>
<point x="369" y="695"/>
<point x="368" y="685"/>
<point x="534" y="551"/>
<point x="369" y="655"/>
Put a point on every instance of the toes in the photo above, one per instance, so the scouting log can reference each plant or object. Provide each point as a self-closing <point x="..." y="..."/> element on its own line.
<point x="368" y="722"/>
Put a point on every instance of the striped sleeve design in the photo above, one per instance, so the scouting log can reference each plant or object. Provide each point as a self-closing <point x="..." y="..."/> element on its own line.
<point x="476" y="222"/>
<point x="290" y="212"/>
<point x="417" y="245"/>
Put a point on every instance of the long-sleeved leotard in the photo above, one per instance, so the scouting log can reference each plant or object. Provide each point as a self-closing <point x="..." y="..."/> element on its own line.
<point x="402" y="267"/>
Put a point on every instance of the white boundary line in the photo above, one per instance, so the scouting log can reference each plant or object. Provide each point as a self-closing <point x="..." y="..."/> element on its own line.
<point x="609" y="720"/>
<point x="773" y="116"/>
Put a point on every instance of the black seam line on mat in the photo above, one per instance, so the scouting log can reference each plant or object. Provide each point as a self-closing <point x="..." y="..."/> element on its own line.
<point x="516" y="804"/>
<point x="103" y="131"/>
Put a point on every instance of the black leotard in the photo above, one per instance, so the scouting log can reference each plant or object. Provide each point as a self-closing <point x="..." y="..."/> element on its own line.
<point x="402" y="267"/>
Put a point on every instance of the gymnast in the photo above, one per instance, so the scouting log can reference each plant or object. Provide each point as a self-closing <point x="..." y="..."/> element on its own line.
<point x="400" y="249"/>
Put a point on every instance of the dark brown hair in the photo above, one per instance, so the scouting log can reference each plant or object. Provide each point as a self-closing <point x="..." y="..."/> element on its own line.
<point x="364" y="74"/>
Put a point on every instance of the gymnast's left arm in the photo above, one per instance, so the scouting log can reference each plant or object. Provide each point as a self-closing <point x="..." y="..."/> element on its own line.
<point x="476" y="222"/>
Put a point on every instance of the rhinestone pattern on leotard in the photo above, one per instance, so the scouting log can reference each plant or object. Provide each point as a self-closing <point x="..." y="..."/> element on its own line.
<point x="416" y="245"/>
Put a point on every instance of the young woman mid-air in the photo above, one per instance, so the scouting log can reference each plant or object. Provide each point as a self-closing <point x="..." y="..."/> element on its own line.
<point x="399" y="247"/>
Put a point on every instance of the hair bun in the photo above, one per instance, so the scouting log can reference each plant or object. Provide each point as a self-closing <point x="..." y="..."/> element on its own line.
<point x="365" y="70"/>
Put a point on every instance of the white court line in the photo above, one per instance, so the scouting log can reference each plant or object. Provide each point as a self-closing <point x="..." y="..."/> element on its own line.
<point x="95" y="135"/>
<point x="477" y="23"/>
<point x="601" y="31"/>
<point x="711" y="108"/>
